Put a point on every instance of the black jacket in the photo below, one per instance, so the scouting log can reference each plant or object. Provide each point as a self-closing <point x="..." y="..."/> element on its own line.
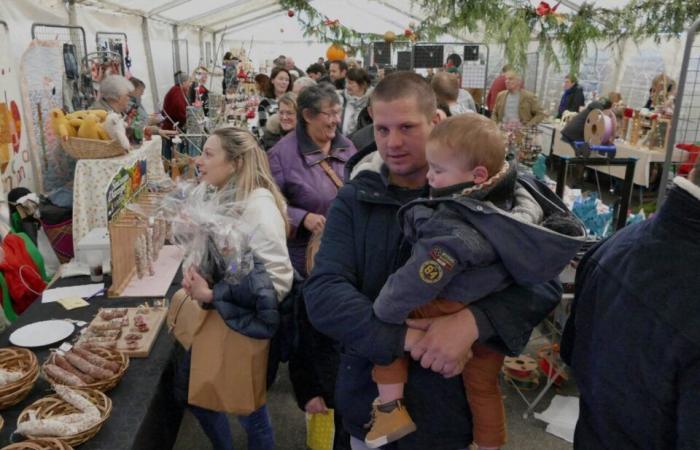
<point x="574" y="101"/>
<point x="633" y="337"/>
<point x="362" y="245"/>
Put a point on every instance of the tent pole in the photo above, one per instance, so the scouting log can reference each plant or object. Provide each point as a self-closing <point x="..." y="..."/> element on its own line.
<point x="202" y="56"/>
<point x="176" y="49"/>
<point x="149" y="61"/>
<point x="72" y="16"/>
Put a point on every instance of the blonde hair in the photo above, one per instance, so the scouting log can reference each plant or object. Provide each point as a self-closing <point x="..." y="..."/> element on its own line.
<point x="446" y="87"/>
<point x="289" y="99"/>
<point x="474" y="139"/>
<point x="254" y="170"/>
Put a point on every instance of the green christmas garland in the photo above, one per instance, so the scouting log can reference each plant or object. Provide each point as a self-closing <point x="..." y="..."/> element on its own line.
<point x="513" y="23"/>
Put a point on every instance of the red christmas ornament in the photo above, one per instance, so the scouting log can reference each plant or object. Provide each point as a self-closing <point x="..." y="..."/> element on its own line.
<point x="408" y="32"/>
<point x="290" y="13"/>
<point x="250" y="114"/>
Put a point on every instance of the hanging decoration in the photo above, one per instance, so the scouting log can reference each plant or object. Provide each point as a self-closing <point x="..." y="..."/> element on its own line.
<point x="290" y="13"/>
<point x="514" y="24"/>
<point x="335" y="53"/>
<point x="389" y="37"/>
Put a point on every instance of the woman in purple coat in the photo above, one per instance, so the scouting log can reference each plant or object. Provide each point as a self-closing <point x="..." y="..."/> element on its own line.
<point x="308" y="165"/>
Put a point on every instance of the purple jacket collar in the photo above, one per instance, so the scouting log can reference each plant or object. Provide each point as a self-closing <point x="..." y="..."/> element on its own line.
<point x="340" y="147"/>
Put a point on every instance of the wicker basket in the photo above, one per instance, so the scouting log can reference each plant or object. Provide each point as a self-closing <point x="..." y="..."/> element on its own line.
<point x="12" y="359"/>
<point x="80" y="148"/>
<point x="101" y="385"/>
<point x="53" y="405"/>
<point x="39" y="444"/>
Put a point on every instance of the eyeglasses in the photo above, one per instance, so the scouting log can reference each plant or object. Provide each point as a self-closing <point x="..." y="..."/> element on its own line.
<point x="331" y="114"/>
<point x="286" y="114"/>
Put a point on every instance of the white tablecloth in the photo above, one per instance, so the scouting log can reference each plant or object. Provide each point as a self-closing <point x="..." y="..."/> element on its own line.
<point x="92" y="176"/>
<point x="645" y="157"/>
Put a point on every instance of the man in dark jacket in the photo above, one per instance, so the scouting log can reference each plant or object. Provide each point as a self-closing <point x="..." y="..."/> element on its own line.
<point x="362" y="245"/>
<point x="633" y="338"/>
<point x="572" y="99"/>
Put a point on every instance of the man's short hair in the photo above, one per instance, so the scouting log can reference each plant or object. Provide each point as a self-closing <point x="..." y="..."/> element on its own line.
<point x="571" y="77"/>
<point x="446" y="87"/>
<point x="474" y="139"/>
<point x="399" y="85"/>
<point x="506" y="68"/>
<point x="342" y="65"/>
<point x="316" y="68"/>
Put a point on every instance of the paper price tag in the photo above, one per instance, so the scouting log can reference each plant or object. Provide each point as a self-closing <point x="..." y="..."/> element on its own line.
<point x="73" y="303"/>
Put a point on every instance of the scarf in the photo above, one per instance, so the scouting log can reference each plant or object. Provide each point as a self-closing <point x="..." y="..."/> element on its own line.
<point x="357" y="104"/>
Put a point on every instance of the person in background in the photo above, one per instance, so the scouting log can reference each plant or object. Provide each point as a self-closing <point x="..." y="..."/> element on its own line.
<point x="115" y="92"/>
<point x="498" y="86"/>
<point x="280" y="82"/>
<point x="662" y="90"/>
<point x="175" y="109"/>
<point x="230" y="78"/>
<point x="446" y="88"/>
<point x="632" y="337"/>
<point x="355" y="100"/>
<point x="282" y="122"/>
<point x="280" y="61"/>
<point x="316" y="71"/>
<point x="308" y="165"/>
<point x="198" y="94"/>
<point x="313" y="368"/>
<point x="233" y="165"/>
<point x="262" y="84"/>
<point x="337" y="72"/>
<point x="572" y="99"/>
<point x="321" y="60"/>
<point x="138" y="120"/>
<point x="302" y="83"/>
<point x="291" y="66"/>
<point x="573" y="130"/>
<point x="516" y="107"/>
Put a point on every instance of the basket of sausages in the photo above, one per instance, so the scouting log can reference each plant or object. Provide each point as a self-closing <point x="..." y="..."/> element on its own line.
<point x="73" y="415"/>
<point x="19" y="370"/>
<point x="39" y="444"/>
<point x="86" y="366"/>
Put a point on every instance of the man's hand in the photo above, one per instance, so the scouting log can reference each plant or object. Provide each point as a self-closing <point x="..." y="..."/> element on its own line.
<point x="413" y="335"/>
<point x="166" y="134"/>
<point x="446" y="346"/>
<point x="314" y="222"/>
<point x="316" y="406"/>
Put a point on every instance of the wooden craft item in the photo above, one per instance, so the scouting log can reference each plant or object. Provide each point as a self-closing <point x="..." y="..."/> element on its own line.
<point x="127" y="229"/>
<point x="155" y="319"/>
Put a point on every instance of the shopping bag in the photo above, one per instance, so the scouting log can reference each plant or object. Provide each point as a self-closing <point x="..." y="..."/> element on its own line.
<point x="320" y="431"/>
<point x="229" y="370"/>
<point x="185" y="317"/>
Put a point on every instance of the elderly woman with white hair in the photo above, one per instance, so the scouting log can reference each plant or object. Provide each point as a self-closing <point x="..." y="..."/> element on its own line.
<point x="302" y="83"/>
<point x="115" y="95"/>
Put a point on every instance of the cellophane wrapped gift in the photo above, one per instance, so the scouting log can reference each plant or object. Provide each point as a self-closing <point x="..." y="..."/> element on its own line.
<point x="207" y="224"/>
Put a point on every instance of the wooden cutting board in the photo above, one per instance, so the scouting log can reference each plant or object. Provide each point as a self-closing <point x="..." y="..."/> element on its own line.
<point x="155" y="319"/>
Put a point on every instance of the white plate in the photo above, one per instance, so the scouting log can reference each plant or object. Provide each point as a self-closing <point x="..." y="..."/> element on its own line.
<point x="40" y="334"/>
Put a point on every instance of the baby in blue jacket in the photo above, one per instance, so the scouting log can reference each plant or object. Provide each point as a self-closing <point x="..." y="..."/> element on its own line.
<point x="483" y="228"/>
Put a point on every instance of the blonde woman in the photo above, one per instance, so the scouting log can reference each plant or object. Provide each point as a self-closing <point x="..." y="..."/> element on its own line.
<point x="233" y="161"/>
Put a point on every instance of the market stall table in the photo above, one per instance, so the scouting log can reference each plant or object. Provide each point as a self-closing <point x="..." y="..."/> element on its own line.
<point x="92" y="176"/>
<point x="145" y="415"/>
<point x="644" y="156"/>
